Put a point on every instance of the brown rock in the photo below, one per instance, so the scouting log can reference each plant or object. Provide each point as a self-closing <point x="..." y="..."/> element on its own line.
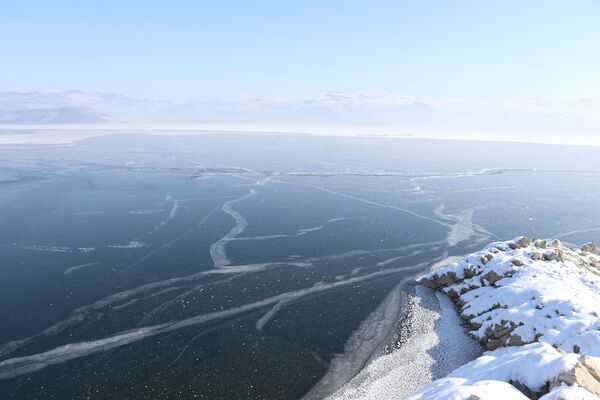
<point x="590" y="248"/>
<point x="486" y="258"/>
<point x="492" y="277"/>
<point x="470" y="271"/>
<point x="592" y="366"/>
<point x="553" y="255"/>
<point x="535" y="256"/>
<point x="430" y="283"/>
<point x="493" y="344"/>
<point x="476" y="325"/>
<point x="448" y="278"/>
<point x="581" y="376"/>
<point x="436" y="281"/>
<point x="501" y="331"/>
<point x="524" y="241"/>
<point x="515" y="340"/>
<point x="525" y="390"/>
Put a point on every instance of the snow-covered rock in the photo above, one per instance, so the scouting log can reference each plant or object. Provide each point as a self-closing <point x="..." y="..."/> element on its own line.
<point x="535" y="304"/>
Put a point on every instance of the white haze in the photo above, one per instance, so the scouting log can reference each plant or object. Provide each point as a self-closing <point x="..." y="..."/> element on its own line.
<point x="572" y="121"/>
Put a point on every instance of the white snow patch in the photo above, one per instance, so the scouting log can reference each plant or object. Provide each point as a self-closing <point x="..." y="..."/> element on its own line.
<point x="134" y="244"/>
<point x="539" y="302"/>
<point x="437" y="344"/>
<point x="52" y="249"/>
<point x="80" y="266"/>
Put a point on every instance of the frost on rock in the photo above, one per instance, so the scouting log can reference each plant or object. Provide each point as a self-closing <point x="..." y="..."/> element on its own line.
<point x="535" y="305"/>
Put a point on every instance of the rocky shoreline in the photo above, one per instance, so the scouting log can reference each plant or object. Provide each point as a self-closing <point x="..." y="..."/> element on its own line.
<point x="534" y="304"/>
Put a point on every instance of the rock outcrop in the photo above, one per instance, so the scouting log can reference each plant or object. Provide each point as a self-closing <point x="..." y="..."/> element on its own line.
<point x="535" y="305"/>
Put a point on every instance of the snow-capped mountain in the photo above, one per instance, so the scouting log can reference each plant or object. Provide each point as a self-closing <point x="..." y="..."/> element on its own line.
<point x="75" y="106"/>
<point x="71" y="106"/>
<point x="376" y="111"/>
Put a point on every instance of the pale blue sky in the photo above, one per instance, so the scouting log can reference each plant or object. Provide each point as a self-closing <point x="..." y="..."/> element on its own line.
<point x="184" y="50"/>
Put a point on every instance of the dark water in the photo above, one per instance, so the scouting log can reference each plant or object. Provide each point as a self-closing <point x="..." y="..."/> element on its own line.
<point x="109" y="290"/>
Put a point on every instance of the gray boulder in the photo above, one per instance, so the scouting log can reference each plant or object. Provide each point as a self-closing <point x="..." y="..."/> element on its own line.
<point x="590" y="248"/>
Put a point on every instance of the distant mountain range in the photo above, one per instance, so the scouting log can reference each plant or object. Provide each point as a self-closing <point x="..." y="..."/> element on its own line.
<point x="374" y="109"/>
<point x="75" y="106"/>
<point x="71" y="107"/>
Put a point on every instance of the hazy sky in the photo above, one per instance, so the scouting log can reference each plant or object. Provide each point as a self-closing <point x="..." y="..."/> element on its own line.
<point x="182" y="50"/>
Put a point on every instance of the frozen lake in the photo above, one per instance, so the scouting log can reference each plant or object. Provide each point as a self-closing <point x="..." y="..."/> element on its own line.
<point x="245" y="266"/>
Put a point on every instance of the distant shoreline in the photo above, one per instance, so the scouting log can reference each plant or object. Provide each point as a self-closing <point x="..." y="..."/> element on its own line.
<point x="71" y="133"/>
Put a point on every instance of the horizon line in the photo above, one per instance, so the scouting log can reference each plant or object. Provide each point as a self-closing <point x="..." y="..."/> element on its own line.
<point x="331" y="130"/>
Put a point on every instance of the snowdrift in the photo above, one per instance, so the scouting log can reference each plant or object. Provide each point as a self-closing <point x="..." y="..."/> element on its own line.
<point x="535" y="305"/>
